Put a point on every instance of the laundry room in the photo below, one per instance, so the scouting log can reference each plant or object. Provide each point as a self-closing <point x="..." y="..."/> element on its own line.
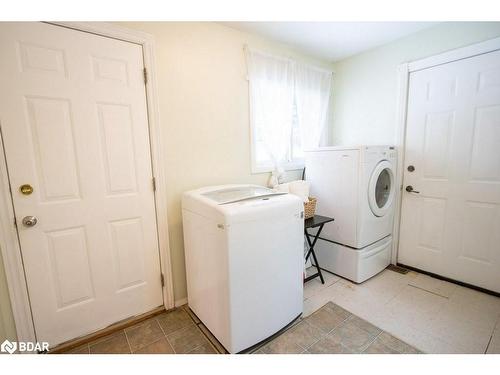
<point x="226" y="185"/>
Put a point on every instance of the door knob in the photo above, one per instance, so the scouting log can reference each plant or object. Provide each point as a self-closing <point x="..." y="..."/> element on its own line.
<point x="409" y="189"/>
<point x="30" y="221"/>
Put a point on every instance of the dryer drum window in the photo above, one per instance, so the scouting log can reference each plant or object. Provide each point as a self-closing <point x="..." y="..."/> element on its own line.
<point x="381" y="188"/>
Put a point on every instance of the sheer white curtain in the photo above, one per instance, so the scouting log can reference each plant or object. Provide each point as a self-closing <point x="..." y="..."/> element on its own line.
<point x="312" y="95"/>
<point x="271" y="99"/>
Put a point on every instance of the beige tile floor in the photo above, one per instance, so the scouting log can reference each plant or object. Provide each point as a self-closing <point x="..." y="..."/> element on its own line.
<point x="334" y="330"/>
<point x="390" y="313"/>
<point x="173" y="332"/>
<point x="432" y="315"/>
<point x="331" y="329"/>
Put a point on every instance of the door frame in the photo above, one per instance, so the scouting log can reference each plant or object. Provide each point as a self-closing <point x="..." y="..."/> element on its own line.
<point x="9" y="241"/>
<point x="404" y="71"/>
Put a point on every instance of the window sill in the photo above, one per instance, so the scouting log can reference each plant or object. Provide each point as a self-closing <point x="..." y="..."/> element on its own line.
<point x="292" y="166"/>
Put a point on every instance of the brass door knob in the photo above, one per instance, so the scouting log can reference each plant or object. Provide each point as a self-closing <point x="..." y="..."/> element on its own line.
<point x="26" y="189"/>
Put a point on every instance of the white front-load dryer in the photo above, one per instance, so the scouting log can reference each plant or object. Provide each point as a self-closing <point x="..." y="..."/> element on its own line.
<point x="377" y="191"/>
<point x="355" y="186"/>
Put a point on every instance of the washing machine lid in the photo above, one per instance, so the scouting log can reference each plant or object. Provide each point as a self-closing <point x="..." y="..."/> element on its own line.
<point x="381" y="189"/>
<point x="240" y="193"/>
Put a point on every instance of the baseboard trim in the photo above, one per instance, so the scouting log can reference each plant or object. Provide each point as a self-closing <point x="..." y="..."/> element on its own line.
<point x="180" y="302"/>
<point x="74" y="343"/>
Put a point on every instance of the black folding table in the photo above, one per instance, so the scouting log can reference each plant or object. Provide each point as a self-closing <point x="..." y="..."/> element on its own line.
<point x="316" y="221"/>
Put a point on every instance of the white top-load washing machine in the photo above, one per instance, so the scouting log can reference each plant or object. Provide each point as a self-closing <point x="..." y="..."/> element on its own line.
<point x="244" y="248"/>
<point x="356" y="186"/>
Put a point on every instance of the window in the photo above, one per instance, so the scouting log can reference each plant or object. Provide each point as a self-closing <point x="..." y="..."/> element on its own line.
<point x="295" y="154"/>
<point x="288" y="110"/>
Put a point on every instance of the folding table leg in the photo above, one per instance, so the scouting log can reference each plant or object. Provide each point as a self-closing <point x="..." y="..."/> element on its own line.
<point x="311" y="252"/>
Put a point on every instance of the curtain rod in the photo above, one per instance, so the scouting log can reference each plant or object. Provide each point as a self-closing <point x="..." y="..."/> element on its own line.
<point x="247" y="48"/>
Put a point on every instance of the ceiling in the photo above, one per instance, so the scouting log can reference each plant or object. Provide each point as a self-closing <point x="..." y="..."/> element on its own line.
<point x="332" y="41"/>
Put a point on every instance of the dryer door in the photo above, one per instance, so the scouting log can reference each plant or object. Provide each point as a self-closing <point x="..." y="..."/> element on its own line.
<point x="381" y="188"/>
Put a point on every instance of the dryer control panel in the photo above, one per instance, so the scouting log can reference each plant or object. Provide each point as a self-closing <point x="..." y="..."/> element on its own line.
<point x="372" y="154"/>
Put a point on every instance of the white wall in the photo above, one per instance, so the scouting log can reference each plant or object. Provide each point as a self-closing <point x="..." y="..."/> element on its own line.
<point x="365" y="85"/>
<point x="203" y="94"/>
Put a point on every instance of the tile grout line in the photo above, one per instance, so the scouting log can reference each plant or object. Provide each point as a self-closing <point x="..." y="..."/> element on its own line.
<point x="372" y="337"/>
<point x="396" y="295"/>
<point x="207" y="338"/>
<point x="428" y="291"/>
<point x="128" y="342"/>
<point x="319" y="339"/>
<point x="136" y="327"/>
<point x="371" y="342"/>
<point x="142" y="347"/>
<point x="166" y="336"/>
<point x="169" y="343"/>
<point x="323" y="289"/>
<point x="104" y="338"/>
<point x="202" y="333"/>
<point x="375" y="336"/>
<point x="268" y="341"/>
<point x="86" y="346"/>
<point x="497" y="324"/>
<point x="325" y="334"/>
<point x="425" y="290"/>
<point x="439" y="310"/>
<point x="380" y="333"/>
<point x="196" y="347"/>
<point x="489" y="342"/>
<point x="445" y="301"/>
<point x="341" y="325"/>
<point x="197" y="327"/>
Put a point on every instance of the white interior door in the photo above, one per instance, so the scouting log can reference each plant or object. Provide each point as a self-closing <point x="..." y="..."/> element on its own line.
<point x="74" y="125"/>
<point x="452" y="226"/>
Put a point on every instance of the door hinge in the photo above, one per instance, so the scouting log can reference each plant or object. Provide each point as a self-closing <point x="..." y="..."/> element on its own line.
<point x="162" y="278"/>
<point x="154" y="183"/>
<point x="145" y="76"/>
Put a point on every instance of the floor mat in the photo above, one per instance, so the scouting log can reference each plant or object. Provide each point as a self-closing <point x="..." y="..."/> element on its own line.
<point x="334" y="330"/>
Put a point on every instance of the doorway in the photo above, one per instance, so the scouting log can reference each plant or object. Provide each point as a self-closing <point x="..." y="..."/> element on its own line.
<point x="450" y="211"/>
<point x="77" y="148"/>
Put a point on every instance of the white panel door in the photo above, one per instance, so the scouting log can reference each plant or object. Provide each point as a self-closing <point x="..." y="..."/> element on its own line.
<point x="452" y="226"/>
<point x="74" y="124"/>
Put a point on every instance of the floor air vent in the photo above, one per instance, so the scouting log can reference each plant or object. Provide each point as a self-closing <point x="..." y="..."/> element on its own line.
<point x="397" y="269"/>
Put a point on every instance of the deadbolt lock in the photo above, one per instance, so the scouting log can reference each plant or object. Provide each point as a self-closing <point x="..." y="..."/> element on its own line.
<point x="26" y="189"/>
<point x="30" y="221"/>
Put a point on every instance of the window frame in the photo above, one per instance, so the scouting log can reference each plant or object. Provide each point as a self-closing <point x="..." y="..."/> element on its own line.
<point x="291" y="164"/>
